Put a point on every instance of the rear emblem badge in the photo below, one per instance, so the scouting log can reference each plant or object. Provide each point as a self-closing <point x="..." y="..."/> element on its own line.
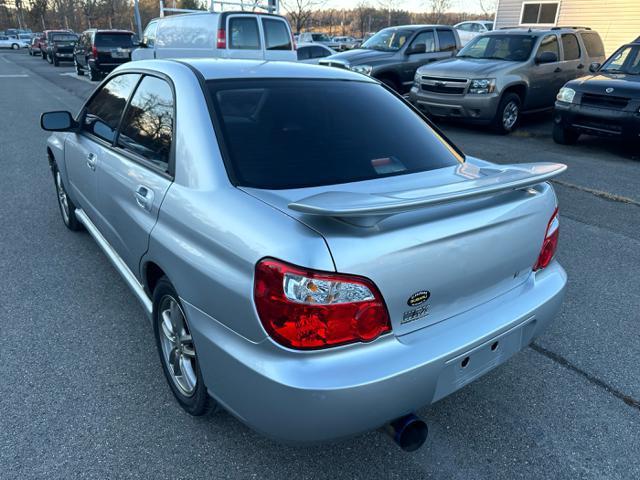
<point x="418" y="298"/>
<point x="609" y="90"/>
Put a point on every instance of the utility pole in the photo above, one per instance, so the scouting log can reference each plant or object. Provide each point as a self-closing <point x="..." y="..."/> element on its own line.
<point x="136" y="13"/>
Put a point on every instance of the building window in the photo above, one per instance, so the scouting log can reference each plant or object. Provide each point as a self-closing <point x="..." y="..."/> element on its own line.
<point x="539" y="13"/>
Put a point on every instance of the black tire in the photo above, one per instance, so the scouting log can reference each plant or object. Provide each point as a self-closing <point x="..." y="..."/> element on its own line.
<point x="30" y="53"/>
<point x="94" y="75"/>
<point x="50" y="57"/>
<point x="15" y="46"/>
<point x="56" y="62"/>
<point x="198" y="402"/>
<point x="391" y="83"/>
<point x="44" y="56"/>
<point x="503" y="122"/>
<point x="79" y="71"/>
<point x="69" y="216"/>
<point x="564" y="136"/>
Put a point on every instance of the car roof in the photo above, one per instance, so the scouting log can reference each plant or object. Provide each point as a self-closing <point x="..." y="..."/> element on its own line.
<point x="416" y="27"/>
<point x="221" y="69"/>
<point x="542" y="31"/>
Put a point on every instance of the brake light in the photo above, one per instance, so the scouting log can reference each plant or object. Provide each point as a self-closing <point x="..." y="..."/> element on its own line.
<point x="550" y="244"/>
<point x="304" y="309"/>
<point x="94" y="51"/>
<point x="221" y="38"/>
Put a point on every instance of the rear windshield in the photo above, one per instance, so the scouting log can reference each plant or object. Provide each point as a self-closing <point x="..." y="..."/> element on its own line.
<point x="284" y="133"/>
<point x="64" y="37"/>
<point x="114" y="40"/>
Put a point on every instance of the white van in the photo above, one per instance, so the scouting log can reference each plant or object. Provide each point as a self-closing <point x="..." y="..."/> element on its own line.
<point x="254" y="35"/>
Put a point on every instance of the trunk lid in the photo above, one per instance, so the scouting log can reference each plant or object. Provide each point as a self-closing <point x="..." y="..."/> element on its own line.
<point x="438" y="258"/>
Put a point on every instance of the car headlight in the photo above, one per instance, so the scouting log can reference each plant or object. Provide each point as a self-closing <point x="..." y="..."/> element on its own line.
<point x="366" y="69"/>
<point x="482" y="85"/>
<point x="566" y="95"/>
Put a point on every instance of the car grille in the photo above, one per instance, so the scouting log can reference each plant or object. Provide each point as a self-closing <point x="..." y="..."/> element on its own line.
<point x="604" y="101"/>
<point x="449" y="86"/>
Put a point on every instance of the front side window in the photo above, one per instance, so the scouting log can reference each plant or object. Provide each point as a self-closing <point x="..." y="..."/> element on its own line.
<point x="549" y="44"/>
<point x="276" y="34"/>
<point x="147" y="126"/>
<point x="570" y="46"/>
<point x="307" y="133"/>
<point x="304" y="53"/>
<point x="103" y="112"/>
<point x="388" y="40"/>
<point x="539" y="13"/>
<point x="516" y="48"/>
<point x="243" y="33"/>
<point x="447" y="40"/>
<point x="465" y="27"/>
<point x="427" y="39"/>
<point x="319" y="52"/>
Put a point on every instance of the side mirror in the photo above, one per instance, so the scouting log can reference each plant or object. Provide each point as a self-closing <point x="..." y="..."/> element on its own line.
<point x="594" y="67"/>
<point x="60" y="121"/>
<point x="417" y="48"/>
<point x="547" y="57"/>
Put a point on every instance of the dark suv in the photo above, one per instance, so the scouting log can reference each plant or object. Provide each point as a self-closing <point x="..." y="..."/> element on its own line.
<point x="394" y="54"/>
<point x="60" y="47"/>
<point x="46" y="44"/>
<point x="606" y="103"/>
<point x="98" y="52"/>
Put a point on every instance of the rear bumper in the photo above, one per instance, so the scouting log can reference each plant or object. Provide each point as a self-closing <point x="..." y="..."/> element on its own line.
<point x="599" y="121"/>
<point x="106" y="66"/>
<point x="320" y="396"/>
<point x="473" y="108"/>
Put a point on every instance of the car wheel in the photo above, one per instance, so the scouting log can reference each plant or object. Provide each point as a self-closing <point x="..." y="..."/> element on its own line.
<point x="44" y="56"/>
<point x="50" y="57"/>
<point x="177" y="351"/>
<point x="30" y="53"/>
<point x="67" y="208"/>
<point x="56" y="62"/>
<point x="15" y="46"/>
<point x="94" y="76"/>
<point x="508" y="114"/>
<point x="564" y="136"/>
<point x="79" y="71"/>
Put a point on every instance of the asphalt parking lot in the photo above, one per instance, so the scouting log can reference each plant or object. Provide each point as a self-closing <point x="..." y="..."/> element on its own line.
<point x="83" y="396"/>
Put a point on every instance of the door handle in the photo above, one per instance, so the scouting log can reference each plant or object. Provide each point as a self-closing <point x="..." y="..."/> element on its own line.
<point x="557" y="70"/>
<point x="144" y="197"/>
<point x="92" y="159"/>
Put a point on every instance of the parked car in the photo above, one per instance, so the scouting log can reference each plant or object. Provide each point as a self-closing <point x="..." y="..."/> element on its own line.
<point x="9" y="42"/>
<point x="346" y="43"/>
<point x="502" y="74"/>
<point x="605" y="103"/>
<point x="60" y="47"/>
<point x="363" y="278"/>
<point x="471" y="29"/>
<point x="313" y="52"/>
<point x="34" y="46"/>
<point x="218" y="34"/>
<point x="322" y="38"/>
<point x="98" y="52"/>
<point x="46" y="44"/>
<point x="394" y="54"/>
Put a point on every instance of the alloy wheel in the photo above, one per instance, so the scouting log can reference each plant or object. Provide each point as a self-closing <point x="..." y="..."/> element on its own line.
<point x="178" y="352"/>
<point x="62" y="198"/>
<point x="510" y="115"/>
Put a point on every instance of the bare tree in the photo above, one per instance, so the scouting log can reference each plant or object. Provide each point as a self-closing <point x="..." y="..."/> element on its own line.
<point x="301" y="11"/>
<point x="389" y="6"/>
<point x="488" y="7"/>
<point x="438" y="9"/>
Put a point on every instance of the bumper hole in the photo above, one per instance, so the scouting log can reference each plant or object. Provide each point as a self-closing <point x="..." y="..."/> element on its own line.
<point x="465" y="362"/>
<point x="494" y="346"/>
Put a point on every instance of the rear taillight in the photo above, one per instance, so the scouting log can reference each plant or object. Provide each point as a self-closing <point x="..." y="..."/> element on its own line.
<point x="221" y="38"/>
<point x="304" y="309"/>
<point x="94" y="51"/>
<point x="550" y="244"/>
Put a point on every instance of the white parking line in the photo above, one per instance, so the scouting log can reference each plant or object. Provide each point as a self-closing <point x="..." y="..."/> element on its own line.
<point x="5" y="60"/>
<point x="14" y="75"/>
<point x="76" y="76"/>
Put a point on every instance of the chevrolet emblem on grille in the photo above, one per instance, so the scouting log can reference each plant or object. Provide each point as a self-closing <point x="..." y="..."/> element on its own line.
<point x="609" y="90"/>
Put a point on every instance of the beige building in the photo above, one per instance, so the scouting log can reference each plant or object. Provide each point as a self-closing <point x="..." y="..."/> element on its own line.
<point x="617" y="21"/>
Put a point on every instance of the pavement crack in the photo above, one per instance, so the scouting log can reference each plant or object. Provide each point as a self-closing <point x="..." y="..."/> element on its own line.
<point x="632" y="402"/>
<point x="599" y="193"/>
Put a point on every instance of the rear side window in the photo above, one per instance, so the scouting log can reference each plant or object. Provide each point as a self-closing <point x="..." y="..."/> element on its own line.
<point x="276" y="34"/>
<point x="147" y="127"/>
<point x="114" y="40"/>
<point x="570" y="46"/>
<point x="447" y="40"/>
<point x="307" y="133"/>
<point x="593" y="44"/>
<point x="104" y="110"/>
<point x="243" y="33"/>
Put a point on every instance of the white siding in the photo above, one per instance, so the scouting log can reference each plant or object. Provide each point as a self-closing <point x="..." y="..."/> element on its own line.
<point x="617" y="21"/>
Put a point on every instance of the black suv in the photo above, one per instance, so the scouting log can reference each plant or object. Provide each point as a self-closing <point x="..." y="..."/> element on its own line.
<point x="606" y="103"/>
<point x="100" y="51"/>
<point x="59" y="47"/>
<point x="394" y="54"/>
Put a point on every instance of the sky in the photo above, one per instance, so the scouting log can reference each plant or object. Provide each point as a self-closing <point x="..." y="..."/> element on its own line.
<point x="471" y="6"/>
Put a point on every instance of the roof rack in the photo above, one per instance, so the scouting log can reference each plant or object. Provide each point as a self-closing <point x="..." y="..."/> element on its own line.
<point x="571" y="28"/>
<point x="269" y="6"/>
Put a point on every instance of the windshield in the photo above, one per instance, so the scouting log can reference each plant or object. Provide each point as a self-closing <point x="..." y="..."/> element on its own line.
<point x="516" y="48"/>
<point x="626" y="60"/>
<point x="64" y="37"/>
<point x="307" y="133"/>
<point x="320" y="37"/>
<point x="388" y="40"/>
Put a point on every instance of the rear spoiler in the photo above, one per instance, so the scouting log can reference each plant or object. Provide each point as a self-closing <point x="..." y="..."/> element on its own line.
<point x="367" y="209"/>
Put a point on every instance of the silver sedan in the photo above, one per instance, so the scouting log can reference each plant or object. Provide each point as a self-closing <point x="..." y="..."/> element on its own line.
<point x="314" y="255"/>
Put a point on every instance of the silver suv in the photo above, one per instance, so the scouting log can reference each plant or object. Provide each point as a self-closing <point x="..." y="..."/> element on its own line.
<point x="502" y="74"/>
